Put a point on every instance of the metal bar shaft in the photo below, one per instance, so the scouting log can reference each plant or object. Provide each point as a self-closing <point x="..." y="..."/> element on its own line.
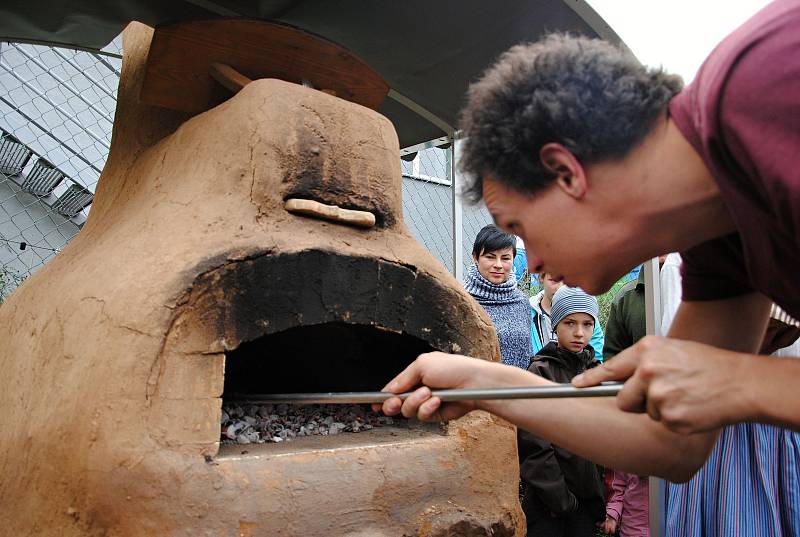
<point x="525" y="392"/>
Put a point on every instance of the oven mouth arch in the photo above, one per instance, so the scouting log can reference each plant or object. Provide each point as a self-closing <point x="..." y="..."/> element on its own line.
<point x="242" y="300"/>
<point x="235" y="302"/>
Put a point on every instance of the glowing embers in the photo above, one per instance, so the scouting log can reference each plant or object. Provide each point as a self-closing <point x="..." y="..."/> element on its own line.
<point x="258" y="424"/>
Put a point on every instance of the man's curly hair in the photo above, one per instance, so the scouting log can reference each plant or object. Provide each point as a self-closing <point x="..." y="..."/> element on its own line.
<point x="590" y="96"/>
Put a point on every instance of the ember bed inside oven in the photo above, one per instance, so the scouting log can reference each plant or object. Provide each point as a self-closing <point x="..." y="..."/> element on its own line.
<point x="329" y="357"/>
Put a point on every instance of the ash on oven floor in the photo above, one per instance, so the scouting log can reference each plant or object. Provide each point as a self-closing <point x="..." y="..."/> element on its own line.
<point x="260" y="424"/>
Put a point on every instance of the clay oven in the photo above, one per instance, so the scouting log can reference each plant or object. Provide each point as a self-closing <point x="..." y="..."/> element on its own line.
<point x="190" y="280"/>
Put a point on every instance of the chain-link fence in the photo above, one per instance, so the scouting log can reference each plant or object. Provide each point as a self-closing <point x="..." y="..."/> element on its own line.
<point x="56" y="114"/>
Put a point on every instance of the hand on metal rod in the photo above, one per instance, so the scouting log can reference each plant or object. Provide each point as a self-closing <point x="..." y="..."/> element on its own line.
<point x="687" y="386"/>
<point x="436" y="371"/>
<point x="593" y="428"/>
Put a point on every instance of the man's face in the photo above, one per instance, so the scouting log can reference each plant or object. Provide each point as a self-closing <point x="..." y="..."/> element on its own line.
<point x="572" y="240"/>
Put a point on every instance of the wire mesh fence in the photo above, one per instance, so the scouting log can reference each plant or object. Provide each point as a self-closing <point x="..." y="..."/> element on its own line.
<point x="56" y="114"/>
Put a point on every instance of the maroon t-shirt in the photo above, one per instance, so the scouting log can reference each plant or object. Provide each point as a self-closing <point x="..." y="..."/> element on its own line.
<point x="742" y="115"/>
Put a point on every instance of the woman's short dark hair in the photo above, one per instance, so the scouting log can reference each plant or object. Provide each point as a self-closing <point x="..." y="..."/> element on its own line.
<point x="592" y="97"/>
<point x="491" y="239"/>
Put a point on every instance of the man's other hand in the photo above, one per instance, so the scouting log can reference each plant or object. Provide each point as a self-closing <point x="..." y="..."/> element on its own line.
<point x="687" y="386"/>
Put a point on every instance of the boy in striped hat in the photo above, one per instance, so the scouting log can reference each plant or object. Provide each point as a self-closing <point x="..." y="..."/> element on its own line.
<point x="563" y="493"/>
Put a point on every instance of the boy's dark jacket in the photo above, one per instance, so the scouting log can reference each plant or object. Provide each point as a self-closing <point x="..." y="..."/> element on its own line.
<point x="555" y="480"/>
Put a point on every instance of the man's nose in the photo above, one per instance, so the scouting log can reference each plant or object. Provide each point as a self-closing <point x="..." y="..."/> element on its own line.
<point x="534" y="263"/>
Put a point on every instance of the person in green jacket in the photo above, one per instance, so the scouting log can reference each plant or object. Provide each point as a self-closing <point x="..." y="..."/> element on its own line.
<point x="626" y="321"/>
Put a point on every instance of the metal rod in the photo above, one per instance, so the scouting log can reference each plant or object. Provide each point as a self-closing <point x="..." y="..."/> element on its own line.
<point x="526" y="392"/>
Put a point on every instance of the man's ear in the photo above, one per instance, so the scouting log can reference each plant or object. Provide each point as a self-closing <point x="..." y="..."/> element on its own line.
<point x="570" y="175"/>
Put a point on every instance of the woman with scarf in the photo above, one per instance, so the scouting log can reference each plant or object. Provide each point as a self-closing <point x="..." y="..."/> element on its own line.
<point x="491" y="281"/>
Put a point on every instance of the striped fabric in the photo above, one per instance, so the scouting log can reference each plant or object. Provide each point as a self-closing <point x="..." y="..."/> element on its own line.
<point x="750" y="486"/>
<point x="569" y="300"/>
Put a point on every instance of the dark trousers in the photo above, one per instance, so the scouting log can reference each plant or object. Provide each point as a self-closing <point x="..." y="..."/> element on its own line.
<point x="581" y="523"/>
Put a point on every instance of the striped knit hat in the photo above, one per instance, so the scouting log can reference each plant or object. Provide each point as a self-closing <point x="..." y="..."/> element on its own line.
<point x="569" y="300"/>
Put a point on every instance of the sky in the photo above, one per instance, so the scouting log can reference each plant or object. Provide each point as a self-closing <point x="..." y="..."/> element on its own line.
<point x="675" y="34"/>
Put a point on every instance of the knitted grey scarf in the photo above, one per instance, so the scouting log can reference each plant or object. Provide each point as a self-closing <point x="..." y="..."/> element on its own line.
<point x="510" y="312"/>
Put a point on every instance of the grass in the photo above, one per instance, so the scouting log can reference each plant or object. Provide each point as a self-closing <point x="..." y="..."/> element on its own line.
<point x="605" y="300"/>
<point x="9" y="280"/>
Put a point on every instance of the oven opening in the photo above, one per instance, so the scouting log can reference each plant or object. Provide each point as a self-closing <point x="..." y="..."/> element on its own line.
<point x="329" y="357"/>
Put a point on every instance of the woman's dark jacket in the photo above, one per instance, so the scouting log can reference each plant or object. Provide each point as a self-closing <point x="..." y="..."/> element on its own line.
<point x="555" y="480"/>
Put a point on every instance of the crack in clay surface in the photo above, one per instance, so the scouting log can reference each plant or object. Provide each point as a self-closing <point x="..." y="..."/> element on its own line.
<point x="115" y="322"/>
